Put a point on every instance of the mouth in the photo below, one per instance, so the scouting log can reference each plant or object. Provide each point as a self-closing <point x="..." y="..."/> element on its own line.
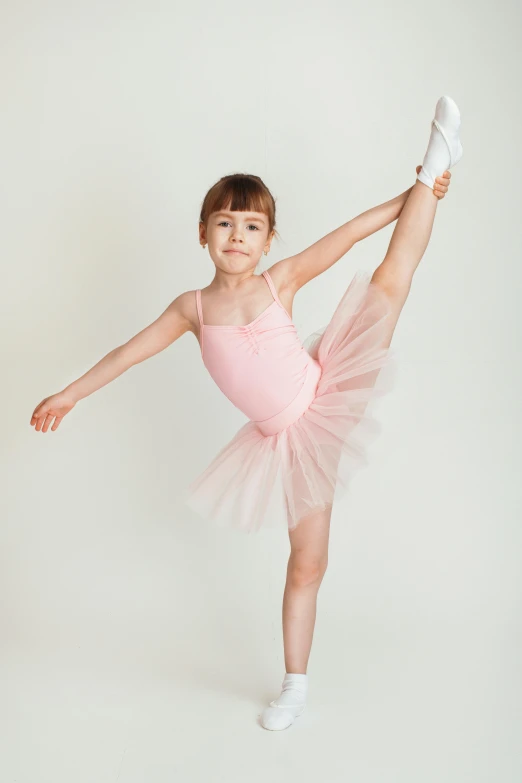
<point x="240" y="252"/>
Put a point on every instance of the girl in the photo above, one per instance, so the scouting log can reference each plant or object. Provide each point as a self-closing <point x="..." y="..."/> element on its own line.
<point x="308" y="407"/>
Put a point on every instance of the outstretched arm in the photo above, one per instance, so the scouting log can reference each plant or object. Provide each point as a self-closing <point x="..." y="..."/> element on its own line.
<point x="303" y="267"/>
<point x="170" y="325"/>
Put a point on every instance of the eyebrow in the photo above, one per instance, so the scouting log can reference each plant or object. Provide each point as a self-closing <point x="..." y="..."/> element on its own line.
<point x="247" y="217"/>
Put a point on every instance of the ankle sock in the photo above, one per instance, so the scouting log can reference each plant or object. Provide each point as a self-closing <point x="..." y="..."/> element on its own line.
<point x="444" y="147"/>
<point x="289" y="704"/>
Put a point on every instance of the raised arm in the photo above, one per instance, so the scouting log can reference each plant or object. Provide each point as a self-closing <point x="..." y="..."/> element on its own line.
<point x="296" y="271"/>
<point x="167" y="328"/>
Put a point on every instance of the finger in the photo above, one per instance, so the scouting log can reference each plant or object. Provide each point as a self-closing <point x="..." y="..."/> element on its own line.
<point x="57" y="422"/>
<point x="41" y="421"/>
<point x="38" y="417"/>
<point x="442" y="180"/>
<point x="48" y="420"/>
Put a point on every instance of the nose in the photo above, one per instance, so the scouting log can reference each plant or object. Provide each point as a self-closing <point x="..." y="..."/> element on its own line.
<point x="237" y="235"/>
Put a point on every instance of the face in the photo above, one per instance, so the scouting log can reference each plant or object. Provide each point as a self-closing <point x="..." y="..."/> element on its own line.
<point x="236" y="240"/>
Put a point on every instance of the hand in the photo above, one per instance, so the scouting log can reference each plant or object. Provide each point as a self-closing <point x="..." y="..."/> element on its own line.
<point x="441" y="185"/>
<point x="55" y="406"/>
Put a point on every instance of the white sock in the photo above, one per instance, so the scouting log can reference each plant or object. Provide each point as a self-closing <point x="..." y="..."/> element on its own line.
<point x="444" y="148"/>
<point x="289" y="704"/>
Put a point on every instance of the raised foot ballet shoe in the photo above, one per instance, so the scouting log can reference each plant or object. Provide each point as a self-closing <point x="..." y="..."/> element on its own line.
<point x="444" y="148"/>
<point x="277" y="718"/>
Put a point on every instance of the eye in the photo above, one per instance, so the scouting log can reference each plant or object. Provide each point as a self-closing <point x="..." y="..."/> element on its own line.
<point x="223" y="222"/>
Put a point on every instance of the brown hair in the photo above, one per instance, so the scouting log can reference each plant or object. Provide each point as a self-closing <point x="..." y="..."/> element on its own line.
<point x="244" y="193"/>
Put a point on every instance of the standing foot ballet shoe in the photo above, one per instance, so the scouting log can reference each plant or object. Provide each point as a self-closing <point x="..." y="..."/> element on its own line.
<point x="289" y="704"/>
<point x="277" y="718"/>
<point x="444" y="148"/>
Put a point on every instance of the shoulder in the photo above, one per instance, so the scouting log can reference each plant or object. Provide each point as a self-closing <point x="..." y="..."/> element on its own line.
<point x="184" y="306"/>
<point x="283" y="276"/>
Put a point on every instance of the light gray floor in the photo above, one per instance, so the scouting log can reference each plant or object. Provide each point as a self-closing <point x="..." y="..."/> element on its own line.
<point x="411" y="702"/>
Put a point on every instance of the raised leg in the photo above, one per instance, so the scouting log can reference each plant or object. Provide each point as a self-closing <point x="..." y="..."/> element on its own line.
<point x="406" y="249"/>
<point x="413" y="229"/>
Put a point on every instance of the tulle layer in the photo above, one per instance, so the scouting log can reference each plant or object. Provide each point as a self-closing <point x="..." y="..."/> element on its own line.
<point x="261" y="480"/>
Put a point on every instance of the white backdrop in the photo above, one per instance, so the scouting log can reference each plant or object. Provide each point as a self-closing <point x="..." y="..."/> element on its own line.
<point x="138" y="642"/>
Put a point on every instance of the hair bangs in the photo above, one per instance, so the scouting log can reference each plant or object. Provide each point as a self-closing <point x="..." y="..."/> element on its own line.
<point x="239" y="193"/>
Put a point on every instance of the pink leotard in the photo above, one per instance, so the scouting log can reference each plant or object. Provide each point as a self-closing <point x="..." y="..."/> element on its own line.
<point x="261" y="367"/>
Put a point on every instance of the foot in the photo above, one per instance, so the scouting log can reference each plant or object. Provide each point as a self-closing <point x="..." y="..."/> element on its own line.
<point x="444" y="148"/>
<point x="289" y="704"/>
<point x="278" y="718"/>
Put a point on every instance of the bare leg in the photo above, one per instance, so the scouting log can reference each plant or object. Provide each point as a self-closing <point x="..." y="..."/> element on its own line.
<point x="306" y="567"/>
<point x="407" y="245"/>
<point x="309" y="540"/>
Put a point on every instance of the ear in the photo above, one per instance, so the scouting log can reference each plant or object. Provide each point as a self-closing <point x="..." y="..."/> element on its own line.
<point x="269" y="241"/>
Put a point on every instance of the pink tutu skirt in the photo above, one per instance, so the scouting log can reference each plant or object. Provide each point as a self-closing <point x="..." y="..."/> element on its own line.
<point x="260" y="480"/>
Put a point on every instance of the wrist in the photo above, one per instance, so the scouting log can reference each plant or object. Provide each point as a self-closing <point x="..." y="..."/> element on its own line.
<point x="72" y="393"/>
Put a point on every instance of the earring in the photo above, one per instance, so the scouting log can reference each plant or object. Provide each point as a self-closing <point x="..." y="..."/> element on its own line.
<point x="266" y="253"/>
<point x="203" y="246"/>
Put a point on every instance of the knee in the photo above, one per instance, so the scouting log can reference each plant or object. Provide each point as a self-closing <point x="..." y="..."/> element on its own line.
<point x="305" y="570"/>
<point x="395" y="284"/>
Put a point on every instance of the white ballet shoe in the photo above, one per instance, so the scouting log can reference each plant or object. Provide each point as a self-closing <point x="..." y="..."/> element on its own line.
<point x="290" y="703"/>
<point x="277" y="718"/>
<point x="444" y="148"/>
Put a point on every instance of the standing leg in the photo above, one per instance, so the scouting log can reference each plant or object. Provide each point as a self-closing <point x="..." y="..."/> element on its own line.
<point x="305" y="571"/>
<point x="306" y="568"/>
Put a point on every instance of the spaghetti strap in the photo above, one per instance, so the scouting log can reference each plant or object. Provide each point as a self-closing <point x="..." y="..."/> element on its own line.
<point x="198" y="306"/>
<point x="272" y="287"/>
<point x="200" y="317"/>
